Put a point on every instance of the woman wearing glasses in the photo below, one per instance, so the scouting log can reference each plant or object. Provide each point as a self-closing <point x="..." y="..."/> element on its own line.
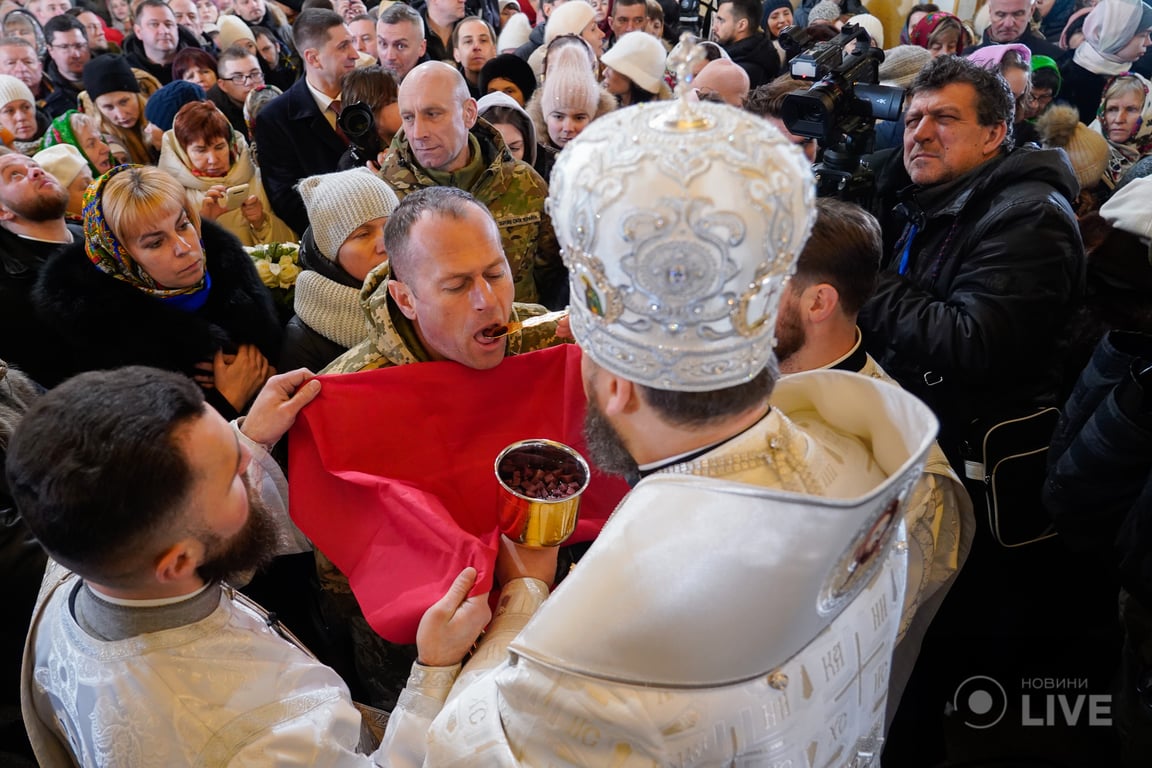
<point x="208" y="158"/>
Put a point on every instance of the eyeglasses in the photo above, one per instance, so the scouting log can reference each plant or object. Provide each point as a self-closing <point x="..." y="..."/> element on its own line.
<point x="73" y="47"/>
<point x="251" y="77"/>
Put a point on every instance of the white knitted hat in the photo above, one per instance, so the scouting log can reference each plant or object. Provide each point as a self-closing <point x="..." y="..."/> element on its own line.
<point x="340" y="202"/>
<point x="62" y="161"/>
<point x="638" y="56"/>
<point x="874" y="26"/>
<point x="568" y="19"/>
<point x="12" y="89"/>
<point x="232" y="30"/>
<point x="515" y="33"/>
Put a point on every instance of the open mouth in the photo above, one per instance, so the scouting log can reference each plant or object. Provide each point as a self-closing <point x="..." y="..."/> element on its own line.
<point x="492" y="333"/>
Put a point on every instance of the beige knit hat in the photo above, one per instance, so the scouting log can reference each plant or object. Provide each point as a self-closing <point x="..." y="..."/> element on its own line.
<point x="12" y="89"/>
<point x="62" y="161"/>
<point x="568" y="19"/>
<point x="340" y="202"/>
<point x="902" y="63"/>
<point x="638" y="56"/>
<point x="232" y="30"/>
<point x="1060" y="127"/>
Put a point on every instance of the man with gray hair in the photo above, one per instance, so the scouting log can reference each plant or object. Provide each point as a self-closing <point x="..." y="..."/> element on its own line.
<point x="444" y="143"/>
<point x="400" y="43"/>
<point x="679" y="232"/>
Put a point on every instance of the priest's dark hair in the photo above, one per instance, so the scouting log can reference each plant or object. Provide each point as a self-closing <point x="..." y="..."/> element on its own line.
<point x="701" y="409"/>
<point x="95" y="467"/>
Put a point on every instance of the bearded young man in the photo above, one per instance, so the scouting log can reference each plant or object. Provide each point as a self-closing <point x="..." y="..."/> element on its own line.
<point x="140" y="653"/>
<point x="32" y="228"/>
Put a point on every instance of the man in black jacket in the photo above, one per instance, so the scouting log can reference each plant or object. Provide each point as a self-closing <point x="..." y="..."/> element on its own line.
<point x="32" y="227"/>
<point x="296" y="132"/>
<point x="155" y="40"/>
<point x="985" y="270"/>
<point x="969" y="308"/>
<point x="735" y="28"/>
<point x="67" y="54"/>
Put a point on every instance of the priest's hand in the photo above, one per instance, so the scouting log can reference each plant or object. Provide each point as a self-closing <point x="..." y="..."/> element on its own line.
<point x="275" y="409"/>
<point x="449" y="629"/>
<point x="515" y="561"/>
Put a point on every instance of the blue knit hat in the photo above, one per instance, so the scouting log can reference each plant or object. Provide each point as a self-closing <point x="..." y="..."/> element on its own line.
<point x="163" y="105"/>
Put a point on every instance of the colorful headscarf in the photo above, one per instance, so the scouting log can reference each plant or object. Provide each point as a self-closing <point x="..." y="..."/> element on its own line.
<point x="111" y="257"/>
<point x="60" y="132"/>
<point x="922" y="32"/>
<point x="1125" y="154"/>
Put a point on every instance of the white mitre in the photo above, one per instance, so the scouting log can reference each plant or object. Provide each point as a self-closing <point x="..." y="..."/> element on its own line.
<point x="679" y="239"/>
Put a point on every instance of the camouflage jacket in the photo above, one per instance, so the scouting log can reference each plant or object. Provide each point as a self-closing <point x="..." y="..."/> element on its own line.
<point x="392" y="338"/>
<point x="514" y="193"/>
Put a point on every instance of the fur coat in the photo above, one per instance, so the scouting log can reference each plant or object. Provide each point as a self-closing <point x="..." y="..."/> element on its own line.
<point x="106" y="323"/>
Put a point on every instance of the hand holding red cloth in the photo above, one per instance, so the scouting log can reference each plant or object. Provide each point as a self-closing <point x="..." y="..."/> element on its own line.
<point x="391" y="473"/>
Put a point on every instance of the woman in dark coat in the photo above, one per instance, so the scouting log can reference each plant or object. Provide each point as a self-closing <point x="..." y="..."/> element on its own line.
<point x="152" y="285"/>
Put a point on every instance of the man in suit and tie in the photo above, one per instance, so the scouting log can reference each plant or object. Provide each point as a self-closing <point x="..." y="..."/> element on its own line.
<point x="296" y="132"/>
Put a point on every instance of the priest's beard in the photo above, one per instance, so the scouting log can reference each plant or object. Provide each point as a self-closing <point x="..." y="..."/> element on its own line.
<point x="250" y="549"/>
<point x="790" y="334"/>
<point x="605" y="447"/>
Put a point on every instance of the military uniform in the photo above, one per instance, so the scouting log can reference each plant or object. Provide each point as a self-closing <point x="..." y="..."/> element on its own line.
<point x="513" y="193"/>
<point x="381" y="666"/>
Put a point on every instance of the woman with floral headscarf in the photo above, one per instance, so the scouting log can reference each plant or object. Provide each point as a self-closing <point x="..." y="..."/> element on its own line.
<point x="83" y="132"/>
<point x="1125" y="120"/>
<point x="1115" y="35"/>
<point x="153" y="285"/>
<point x="941" y="33"/>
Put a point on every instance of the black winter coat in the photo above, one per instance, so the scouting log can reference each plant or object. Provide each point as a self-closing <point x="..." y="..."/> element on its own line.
<point x="106" y="323"/>
<point x="1099" y="487"/>
<point x="757" y="56"/>
<point x="995" y="269"/>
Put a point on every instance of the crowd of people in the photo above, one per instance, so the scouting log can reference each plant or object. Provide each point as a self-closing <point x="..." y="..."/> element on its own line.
<point x="206" y="203"/>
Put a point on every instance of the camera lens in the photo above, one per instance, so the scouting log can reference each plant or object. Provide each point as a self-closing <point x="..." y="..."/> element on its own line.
<point x="356" y="121"/>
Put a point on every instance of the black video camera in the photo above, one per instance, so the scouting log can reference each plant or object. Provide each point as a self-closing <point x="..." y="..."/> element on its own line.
<point x="359" y="125"/>
<point x="840" y="109"/>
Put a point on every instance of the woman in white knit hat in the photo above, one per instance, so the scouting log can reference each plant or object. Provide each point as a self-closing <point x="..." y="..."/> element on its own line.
<point x="575" y="17"/>
<point x="69" y="167"/>
<point x="570" y="99"/>
<point x="19" y="117"/>
<point x="634" y="69"/>
<point x="348" y="211"/>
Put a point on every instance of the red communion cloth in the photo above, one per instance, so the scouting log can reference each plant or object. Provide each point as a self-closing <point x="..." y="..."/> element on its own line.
<point x="391" y="473"/>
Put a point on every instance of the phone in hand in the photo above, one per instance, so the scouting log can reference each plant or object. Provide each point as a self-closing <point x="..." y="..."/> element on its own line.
<point x="235" y="196"/>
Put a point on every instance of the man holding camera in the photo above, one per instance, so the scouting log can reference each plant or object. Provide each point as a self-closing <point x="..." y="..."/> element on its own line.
<point x="296" y="132"/>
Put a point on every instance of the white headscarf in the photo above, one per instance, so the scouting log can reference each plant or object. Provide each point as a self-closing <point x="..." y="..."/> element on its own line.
<point x="1110" y="26"/>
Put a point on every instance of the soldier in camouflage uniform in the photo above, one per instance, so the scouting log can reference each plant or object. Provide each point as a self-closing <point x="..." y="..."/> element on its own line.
<point x="442" y="242"/>
<point x="444" y="143"/>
